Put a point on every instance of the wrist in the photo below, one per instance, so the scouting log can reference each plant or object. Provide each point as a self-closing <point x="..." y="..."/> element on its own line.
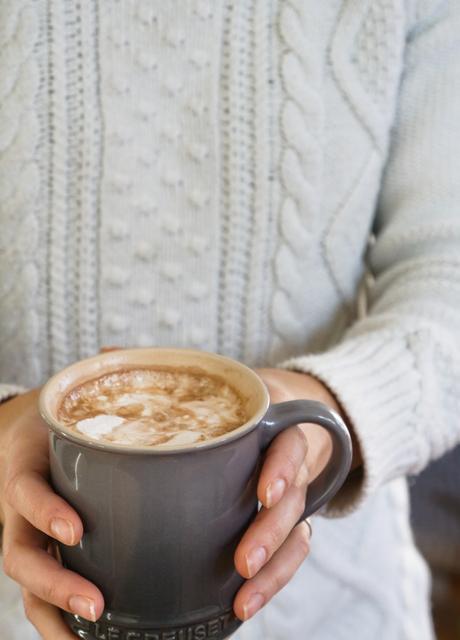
<point x="289" y="385"/>
<point x="332" y="401"/>
<point x="285" y="384"/>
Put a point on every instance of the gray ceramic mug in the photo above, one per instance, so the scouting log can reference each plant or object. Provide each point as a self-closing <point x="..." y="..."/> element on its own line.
<point x="161" y="527"/>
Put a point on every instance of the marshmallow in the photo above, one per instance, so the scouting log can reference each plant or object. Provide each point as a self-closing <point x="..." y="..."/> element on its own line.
<point x="99" y="425"/>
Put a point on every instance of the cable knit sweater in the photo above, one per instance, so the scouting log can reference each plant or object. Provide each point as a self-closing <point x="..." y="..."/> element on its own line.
<point x="209" y="174"/>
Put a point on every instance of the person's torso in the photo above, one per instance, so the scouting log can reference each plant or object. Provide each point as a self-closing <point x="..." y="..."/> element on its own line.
<point x="200" y="174"/>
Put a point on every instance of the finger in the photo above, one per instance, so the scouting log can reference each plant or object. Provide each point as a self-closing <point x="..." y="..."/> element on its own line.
<point x="27" y="561"/>
<point x="256" y="592"/>
<point x="45" y="618"/>
<point x="28" y="445"/>
<point x="26" y="489"/>
<point x="106" y="349"/>
<point x="53" y="549"/>
<point x="283" y="462"/>
<point x="28" y="493"/>
<point x="268" y="532"/>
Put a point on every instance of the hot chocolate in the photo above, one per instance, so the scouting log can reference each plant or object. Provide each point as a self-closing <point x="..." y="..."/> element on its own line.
<point x="153" y="407"/>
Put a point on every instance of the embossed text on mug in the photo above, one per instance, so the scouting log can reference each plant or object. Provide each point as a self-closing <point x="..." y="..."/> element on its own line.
<point x="211" y="628"/>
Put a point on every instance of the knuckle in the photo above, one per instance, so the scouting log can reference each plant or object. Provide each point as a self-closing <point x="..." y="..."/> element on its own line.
<point x="303" y="539"/>
<point x="9" y="564"/>
<point x="10" y="490"/>
<point x="276" y="535"/>
<point x="291" y="465"/>
<point x="29" y="503"/>
<point x="279" y="580"/>
<point x="50" y="592"/>
<point x="302" y="476"/>
<point x="35" y="515"/>
<point x="300" y="499"/>
<point x="28" y="605"/>
<point x="302" y="441"/>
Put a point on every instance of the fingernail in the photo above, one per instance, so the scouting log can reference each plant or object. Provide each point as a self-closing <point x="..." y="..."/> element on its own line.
<point x="62" y="530"/>
<point x="84" y="607"/>
<point x="253" y="605"/>
<point x="275" y="491"/>
<point x="255" y="559"/>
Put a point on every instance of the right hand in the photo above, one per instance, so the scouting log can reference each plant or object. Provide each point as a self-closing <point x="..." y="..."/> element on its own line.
<point x="33" y="516"/>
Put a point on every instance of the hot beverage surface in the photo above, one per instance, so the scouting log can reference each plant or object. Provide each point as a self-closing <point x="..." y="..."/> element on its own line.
<point x="154" y="407"/>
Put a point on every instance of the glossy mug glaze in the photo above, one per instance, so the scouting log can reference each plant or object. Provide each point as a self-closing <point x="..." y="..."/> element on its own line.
<point x="161" y="526"/>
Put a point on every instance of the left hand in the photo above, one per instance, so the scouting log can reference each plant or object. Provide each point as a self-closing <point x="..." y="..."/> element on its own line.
<point x="273" y="547"/>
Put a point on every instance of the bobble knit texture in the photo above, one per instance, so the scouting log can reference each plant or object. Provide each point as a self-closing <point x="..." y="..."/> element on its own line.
<point x="210" y="176"/>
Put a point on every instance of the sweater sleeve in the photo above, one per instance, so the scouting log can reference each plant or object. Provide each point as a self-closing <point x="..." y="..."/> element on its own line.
<point x="9" y="390"/>
<point x="396" y="371"/>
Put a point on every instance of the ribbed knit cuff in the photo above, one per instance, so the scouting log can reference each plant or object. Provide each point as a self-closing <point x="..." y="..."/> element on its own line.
<point x="8" y="391"/>
<point x="375" y="380"/>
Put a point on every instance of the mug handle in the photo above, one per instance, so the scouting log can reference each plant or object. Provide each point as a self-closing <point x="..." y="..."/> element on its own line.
<point x="282" y="415"/>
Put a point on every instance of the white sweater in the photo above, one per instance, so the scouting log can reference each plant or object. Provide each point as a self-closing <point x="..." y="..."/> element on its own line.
<point x="207" y="173"/>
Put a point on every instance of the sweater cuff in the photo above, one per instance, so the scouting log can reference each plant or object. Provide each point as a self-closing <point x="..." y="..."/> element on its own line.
<point x="375" y="380"/>
<point x="8" y="391"/>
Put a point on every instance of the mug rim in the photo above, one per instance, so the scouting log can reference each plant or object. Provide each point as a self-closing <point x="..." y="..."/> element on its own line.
<point x="54" y="425"/>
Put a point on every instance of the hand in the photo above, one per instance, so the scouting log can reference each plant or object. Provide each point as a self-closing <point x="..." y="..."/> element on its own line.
<point x="273" y="547"/>
<point x="33" y="515"/>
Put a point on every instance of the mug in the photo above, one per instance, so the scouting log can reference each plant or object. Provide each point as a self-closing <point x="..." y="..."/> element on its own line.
<point x="161" y="526"/>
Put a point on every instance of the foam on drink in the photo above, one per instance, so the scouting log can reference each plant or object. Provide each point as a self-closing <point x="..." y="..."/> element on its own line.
<point x="153" y="407"/>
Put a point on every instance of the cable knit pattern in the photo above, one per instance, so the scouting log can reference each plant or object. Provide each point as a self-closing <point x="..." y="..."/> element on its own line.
<point x="237" y="172"/>
<point x="256" y="322"/>
<point x="367" y="61"/>
<point x="409" y="334"/>
<point x="57" y="301"/>
<point x="161" y="166"/>
<point x="301" y="128"/>
<point x="247" y="214"/>
<point x="19" y="193"/>
<point x="90" y="175"/>
<point x="75" y="168"/>
<point x="206" y="174"/>
<point x="376" y="57"/>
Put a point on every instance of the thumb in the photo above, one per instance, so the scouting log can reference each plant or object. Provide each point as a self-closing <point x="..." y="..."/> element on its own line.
<point x="105" y="349"/>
